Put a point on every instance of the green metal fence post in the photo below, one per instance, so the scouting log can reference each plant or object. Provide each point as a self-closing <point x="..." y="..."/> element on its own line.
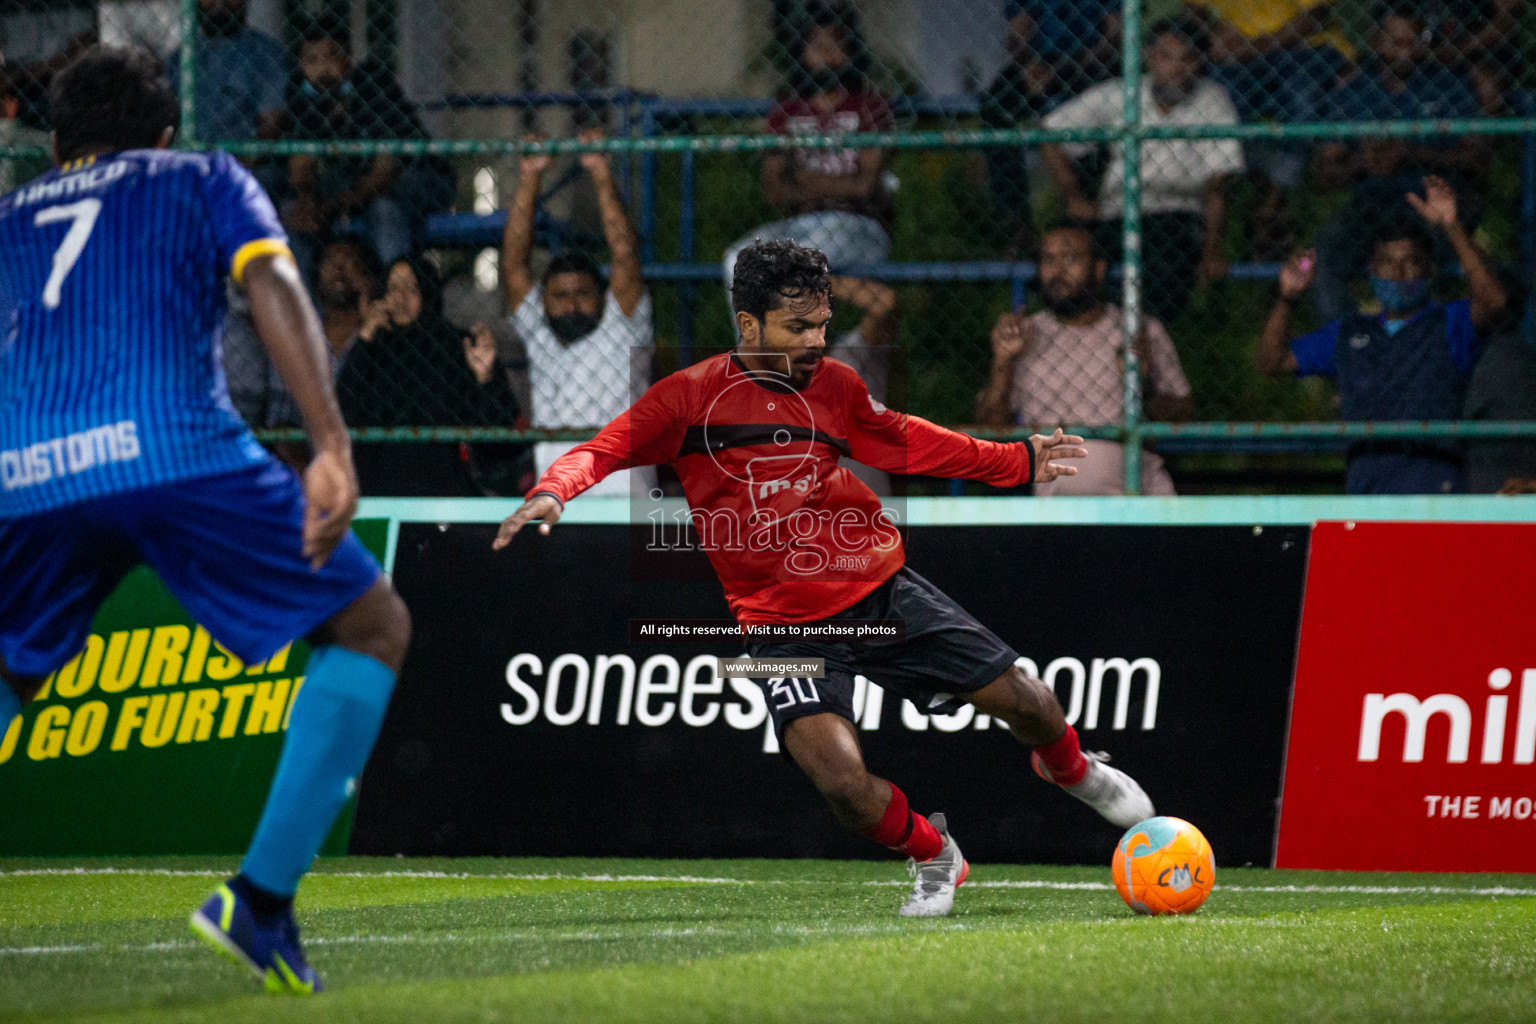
<point x="186" y="136"/>
<point x="1130" y="148"/>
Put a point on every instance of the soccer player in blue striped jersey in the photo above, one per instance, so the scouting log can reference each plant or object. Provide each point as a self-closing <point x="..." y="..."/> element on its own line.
<point x="119" y="445"/>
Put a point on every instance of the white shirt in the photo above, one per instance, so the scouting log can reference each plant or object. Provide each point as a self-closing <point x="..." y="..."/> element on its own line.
<point x="588" y="382"/>
<point x="593" y="379"/>
<point x="1173" y="171"/>
<point x="1074" y="375"/>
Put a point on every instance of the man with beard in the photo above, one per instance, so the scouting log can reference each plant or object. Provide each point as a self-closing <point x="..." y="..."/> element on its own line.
<point x="589" y="341"/>
<point x="756" y="436"/>
<point x="1063" y="366"/>
<point x="1183" y="181"/>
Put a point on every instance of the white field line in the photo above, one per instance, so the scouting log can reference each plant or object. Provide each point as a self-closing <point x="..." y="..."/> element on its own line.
<point x="454" y="875"/>
<point x="538" y="935"/>
<point x="1371" y="890"/>
<point x="524" y="935"/>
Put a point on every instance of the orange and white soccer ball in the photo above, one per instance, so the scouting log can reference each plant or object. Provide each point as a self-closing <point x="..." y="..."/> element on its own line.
<point x="1164" y="866"/>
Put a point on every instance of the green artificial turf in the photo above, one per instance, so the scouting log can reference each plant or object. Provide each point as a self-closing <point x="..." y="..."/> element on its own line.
<point x="597" y="940"/>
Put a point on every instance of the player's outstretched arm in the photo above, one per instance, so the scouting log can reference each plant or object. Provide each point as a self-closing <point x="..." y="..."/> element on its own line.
<point x="289" y="331"/>
<point x="646" y="434"/>
<point x="544" y="507"/>
<point x="899" y="443"/>
<point x="1051" y="453"/>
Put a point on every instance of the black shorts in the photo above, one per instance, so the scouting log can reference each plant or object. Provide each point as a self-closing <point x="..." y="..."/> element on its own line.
<point x="946" y="654"/>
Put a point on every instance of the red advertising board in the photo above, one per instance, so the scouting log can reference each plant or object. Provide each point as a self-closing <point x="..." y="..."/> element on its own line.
<point x="1413" y="722"/>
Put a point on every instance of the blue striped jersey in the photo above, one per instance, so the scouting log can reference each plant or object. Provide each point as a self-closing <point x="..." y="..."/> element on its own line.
<point x="112" y="303"/>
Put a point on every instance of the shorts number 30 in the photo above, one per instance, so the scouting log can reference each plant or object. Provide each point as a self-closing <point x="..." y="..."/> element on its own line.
<point x="789" y="692"/>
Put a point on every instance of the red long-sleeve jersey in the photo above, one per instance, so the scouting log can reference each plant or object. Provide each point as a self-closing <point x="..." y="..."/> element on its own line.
<point x="793" y="536"/>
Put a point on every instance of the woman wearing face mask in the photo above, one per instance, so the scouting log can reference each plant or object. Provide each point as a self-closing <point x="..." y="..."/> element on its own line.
<point x="412" y="368"/>
<point x="1411" y="361"/>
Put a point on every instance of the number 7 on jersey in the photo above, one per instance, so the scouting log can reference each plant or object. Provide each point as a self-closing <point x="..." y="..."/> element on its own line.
<point x="83" y="215"/>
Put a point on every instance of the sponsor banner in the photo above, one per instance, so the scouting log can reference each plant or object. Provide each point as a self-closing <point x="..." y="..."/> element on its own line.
<point x="153" y="740"/>
<point x="1413" y="728"/>
<point x="531" y="718"/>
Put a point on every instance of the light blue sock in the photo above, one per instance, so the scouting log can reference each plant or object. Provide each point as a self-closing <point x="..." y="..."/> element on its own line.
<point x="10" y="706"/>
<point x="336" y="718"/>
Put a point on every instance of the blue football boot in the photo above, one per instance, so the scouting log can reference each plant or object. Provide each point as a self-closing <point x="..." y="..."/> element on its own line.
<point x="271" y="950"/>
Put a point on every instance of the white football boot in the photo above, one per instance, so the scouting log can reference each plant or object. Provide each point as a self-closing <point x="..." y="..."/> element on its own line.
<point x="1111" y="792"/>
<point x="933" y="895"/>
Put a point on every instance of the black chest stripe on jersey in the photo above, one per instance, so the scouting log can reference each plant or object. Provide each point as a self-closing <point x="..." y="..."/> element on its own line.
<point x="741" y="435"/>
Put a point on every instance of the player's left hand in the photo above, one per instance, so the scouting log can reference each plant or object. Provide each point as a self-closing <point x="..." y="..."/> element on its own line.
<point x="1050" y="450"/>
<point x="330" y="500"/>
<point x="540" y="506"/>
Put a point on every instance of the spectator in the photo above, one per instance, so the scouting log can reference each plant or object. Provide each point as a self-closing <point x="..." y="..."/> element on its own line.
<point x="14" y="171"/>
<point x="1479" y="39"/>
<point x="870" y="348"/>
<point x="1277" y="60"/>
<point x="1401" y="81"/>
<point x="348" y="284"/>
<point x="1410" y="362"/>
<point x="242" y="75"/>
<point x="1056" y="49"/>
<point x="589" y="342"/>
<point x="1063" y="367"/>
<point x="332" y="98"/>
<point x="347" y="287"/>
<point x="836" y="198"/>
<point x="1024" y="91"/>
<point x="412" y="368"/>
<point x="1183" y="182"/>
<point x="32" y="81"/>
<point x="1078" y="39"/>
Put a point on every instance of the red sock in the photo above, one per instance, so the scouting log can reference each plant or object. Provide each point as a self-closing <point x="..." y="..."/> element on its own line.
<point x="1064" y="759"/>
<point x="905" y="832"/>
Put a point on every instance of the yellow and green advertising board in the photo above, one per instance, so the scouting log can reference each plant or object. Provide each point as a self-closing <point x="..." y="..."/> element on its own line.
<point x="154" y="739"/>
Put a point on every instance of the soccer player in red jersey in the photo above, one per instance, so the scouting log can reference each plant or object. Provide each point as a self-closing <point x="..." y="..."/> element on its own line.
<point x="755" y="436"/>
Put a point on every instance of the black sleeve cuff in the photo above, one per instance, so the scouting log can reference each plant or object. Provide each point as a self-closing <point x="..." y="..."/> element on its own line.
<point x="552" y="494"/>
<point x="1029" y="453"/>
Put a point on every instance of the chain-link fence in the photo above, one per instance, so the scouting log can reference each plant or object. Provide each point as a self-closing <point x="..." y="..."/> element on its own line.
<point x="1247" y="299"/>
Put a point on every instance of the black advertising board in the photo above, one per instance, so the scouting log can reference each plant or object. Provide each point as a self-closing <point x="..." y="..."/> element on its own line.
<point x="1170" y="647"/>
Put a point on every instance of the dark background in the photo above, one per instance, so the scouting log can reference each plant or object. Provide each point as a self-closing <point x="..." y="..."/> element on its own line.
<point x="1217" y="607"/>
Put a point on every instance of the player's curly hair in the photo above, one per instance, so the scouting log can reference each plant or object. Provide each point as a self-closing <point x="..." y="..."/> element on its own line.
<point x="767" y="273"/>
<point x="111" y="98"/>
